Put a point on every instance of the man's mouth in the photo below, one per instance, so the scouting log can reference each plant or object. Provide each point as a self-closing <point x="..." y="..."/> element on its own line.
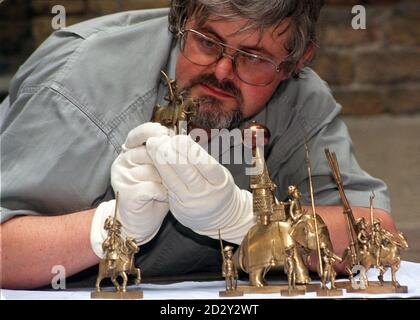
<point x="216" y="92"/>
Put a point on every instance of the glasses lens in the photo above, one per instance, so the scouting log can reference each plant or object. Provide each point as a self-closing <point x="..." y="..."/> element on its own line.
<point x="254" y="70"/>
<point x="200" y="49"/>
<point x="204" y="51"/>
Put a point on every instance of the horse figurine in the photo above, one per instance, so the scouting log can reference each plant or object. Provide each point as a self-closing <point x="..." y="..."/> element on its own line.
<point x="389" y="257"/>
<point x="123" y="265"/>
<point x="178" y="111"/>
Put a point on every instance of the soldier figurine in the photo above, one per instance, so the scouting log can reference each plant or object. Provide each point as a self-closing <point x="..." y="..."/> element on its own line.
<point x="328" y="259"/>
<point x="295" y="208"/>
<point x="328" y="273"/>
<point x="113" y="243"/>
<point x="230" y="273"/>
<point x="289" y="267"/>
<point x="290" y="270"/>
<point x="362" y="234"/>
<point x="380" y="237"/>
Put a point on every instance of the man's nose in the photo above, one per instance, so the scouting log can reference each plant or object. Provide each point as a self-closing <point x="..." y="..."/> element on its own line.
<point x="224" y="68"/>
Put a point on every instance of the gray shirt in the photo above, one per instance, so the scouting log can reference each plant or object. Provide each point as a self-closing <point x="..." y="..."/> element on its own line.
<point x="73" y="102"/>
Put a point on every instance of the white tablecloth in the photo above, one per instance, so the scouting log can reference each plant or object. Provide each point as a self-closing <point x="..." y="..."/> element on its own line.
<point x="408" y="274"/>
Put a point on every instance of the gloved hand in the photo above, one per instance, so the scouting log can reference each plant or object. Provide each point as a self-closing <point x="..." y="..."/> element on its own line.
<point x="143" y="200"/>
<point x="202" y="193"/>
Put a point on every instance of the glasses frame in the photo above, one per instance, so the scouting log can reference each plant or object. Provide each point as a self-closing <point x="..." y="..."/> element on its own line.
<point x="223" y="47"/>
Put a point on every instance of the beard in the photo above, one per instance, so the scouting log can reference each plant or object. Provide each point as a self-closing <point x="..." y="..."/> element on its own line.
<point x="210" y="114"/>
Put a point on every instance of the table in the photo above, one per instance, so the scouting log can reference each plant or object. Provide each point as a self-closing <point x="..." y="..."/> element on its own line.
<point x="408" y="274"/>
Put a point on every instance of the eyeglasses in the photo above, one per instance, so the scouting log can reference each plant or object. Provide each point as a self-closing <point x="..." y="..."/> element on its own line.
<point x="204" y="51"/>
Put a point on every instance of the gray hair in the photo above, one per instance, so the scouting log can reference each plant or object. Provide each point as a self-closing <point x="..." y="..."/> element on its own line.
<point x="260" y="15"/>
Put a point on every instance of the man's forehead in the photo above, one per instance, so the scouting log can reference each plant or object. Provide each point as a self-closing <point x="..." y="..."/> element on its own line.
<point x="238" y="29"/>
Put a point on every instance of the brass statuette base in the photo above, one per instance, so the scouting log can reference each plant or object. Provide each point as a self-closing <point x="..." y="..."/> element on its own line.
<point x="128" y="295"/>
<point x="292" y="292"/>
<point x="312" y="287"/>
<point x="329" y="292"/>
<point x="374" y="287"/>
<point x="231" y="293"/>
<point x="379" y="289"/>
<point x="273" y="288"/>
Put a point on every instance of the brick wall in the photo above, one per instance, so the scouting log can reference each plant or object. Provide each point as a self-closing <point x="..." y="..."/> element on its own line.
<point x="375" y="70"/>
<point x="370" y="71"/>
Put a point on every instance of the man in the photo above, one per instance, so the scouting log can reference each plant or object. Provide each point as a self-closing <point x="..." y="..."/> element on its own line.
<point x="84" y="98"/>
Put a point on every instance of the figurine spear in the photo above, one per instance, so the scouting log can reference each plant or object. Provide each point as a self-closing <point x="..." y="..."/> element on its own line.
<point x="221" y="249"/>
<point x="114" y="220"/>
<point x="311" y="189"/>
<point x="116" y="205"/>
<point x="371" y="209"/>
<point x="348" y="213"/>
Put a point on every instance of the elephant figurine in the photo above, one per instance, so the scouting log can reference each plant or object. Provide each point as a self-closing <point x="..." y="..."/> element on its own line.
<point x="264" y="247"/>
<point x="303" y="232"/>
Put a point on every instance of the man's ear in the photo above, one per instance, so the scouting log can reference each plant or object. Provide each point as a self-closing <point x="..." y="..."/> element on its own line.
<point x="306" y="56"/>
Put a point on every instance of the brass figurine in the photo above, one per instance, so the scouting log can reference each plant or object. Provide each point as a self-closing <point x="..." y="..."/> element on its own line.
<point x="289" y="267"/>
<point x="384" y="252"/>
<point x="264" y="245"/>
<point x="295" y="208"/>
<point x="368" y="246"/>
<point x="229" y="272"/>
<point x="178" y="112"/>
<point x="290" y="270"/>
<point x="118" y="262"/>
<point x="362" y="234"/>
<point x="328" y="273"/>
<point x="324" y="248"/>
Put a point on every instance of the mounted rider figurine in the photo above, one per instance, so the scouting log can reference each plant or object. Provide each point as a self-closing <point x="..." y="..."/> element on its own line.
<point x="178" y="112"/>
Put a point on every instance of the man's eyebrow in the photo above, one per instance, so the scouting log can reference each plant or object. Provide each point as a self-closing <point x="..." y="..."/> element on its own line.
<point x="259" y="49"/>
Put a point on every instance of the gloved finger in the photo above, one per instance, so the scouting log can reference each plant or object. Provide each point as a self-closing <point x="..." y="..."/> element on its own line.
<point x="146" y="172"/>
<point x="128" y="177"/>
<point x="135" y="197"/>
<point x="149" y="190"/>
<point x="185" y="168"/>
<point x="136" y="156"/>
<point x="208" y="167"/>
<point x="213" y="172"/>
<point x="139" y="135"/>
<point x="162" y="154"/>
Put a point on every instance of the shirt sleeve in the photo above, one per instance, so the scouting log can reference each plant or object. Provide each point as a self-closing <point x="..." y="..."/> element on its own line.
<point x="358" y="184"/>
<point x="54" y="159"/>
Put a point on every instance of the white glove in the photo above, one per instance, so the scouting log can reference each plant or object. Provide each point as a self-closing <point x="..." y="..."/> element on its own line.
<point x="143" y="200"/>
<point x="202" y="193"/>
